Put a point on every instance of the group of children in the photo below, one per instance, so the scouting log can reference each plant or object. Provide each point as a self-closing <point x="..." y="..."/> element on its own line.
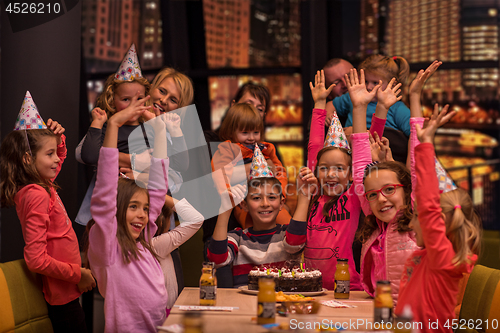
<point x="422" y="238"/>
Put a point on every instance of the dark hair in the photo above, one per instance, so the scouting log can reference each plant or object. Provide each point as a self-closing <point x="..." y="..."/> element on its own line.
<point x="261" y="181"/>
<point x="332" y="201"/>
<point x="126" y="190"/>
<point x="17" y="163"/>
<point x="334" y="61"/>
<point x="404" y="177"/>
<point x="258" y="91"/>
<point x="163" y="220"/>
<point x="240" y="117"/>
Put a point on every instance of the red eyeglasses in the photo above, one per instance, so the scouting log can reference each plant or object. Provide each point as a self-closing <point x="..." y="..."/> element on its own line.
<point x="387" y="191"/>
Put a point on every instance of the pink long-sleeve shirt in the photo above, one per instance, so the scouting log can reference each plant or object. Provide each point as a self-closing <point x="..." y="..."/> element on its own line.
<point x="331" y="237"/>
<point x="135" y="298"/>
<point x="51" y="245"/>
<point x="430" y="280"/>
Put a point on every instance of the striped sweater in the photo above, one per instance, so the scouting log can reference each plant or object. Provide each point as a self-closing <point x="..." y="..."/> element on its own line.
<point x="247" y="248"/>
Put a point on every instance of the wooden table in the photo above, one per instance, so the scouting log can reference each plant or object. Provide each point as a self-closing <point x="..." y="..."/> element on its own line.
<point x="243" y="318"/>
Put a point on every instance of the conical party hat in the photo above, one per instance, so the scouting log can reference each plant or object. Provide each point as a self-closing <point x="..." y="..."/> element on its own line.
<point x="336" y="136"/>
<point x="259" y="166"/>
<point x="446" y="184"/>
<point x="129" y="68"/>
<point x="28" y="117"/>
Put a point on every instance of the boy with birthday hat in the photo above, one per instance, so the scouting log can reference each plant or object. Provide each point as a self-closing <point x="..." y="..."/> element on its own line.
<point x="265" y="242"/>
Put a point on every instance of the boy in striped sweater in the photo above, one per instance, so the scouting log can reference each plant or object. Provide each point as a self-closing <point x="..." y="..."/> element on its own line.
<point x="265" y="242"/>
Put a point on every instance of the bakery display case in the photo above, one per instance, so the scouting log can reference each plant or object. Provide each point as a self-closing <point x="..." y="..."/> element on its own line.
<point x="468" y="148"/>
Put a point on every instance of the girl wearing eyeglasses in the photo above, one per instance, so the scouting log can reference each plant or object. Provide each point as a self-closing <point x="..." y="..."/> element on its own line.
<point x="387" y="240"/>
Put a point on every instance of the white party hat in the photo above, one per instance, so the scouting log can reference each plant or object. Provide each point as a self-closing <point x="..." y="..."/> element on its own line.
<point x="28" y="117"/>
<point x="129" y="68"/>
<point x="446" y="184"/>
<point x="336" y="136"/>
<point x="259" y="167"/>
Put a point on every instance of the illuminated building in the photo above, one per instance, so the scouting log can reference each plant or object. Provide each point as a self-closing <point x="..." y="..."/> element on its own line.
<point x="227" y="30"/>
<point x="150" y="34"/>
<point x="275" y="33"/>
<point x="109" y="28"/>
<point x="480" y="43"/>
<point x="369" y="41"/>
<point x="423" y="31"/>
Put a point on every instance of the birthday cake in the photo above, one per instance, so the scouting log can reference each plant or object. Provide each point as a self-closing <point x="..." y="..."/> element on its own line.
<point x="287" y="279"/>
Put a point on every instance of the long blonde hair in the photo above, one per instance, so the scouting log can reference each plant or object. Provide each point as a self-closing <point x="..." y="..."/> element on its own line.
<point x="463" y="225"/>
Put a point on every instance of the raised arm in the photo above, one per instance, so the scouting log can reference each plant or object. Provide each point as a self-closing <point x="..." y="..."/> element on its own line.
<point x="218" y="248"/>
<point x="296" y="232"/>
<point x="416" y="115"/>
<point x="429" y="211"/>
<point x="361" y="155"/>
<point x="102" y="236"/>
<point x="317" y="130"/>
<point x="385" y="99"/>
<point x="191" y="221"/>
<point x="92" y="142"/>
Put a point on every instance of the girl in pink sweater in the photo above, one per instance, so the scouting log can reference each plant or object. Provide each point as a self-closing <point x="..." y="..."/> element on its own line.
<point x="387" y="239"/>
<point x="446" y="226"/>
<point x="334" y="211"/>
<point x="123" y="261"/>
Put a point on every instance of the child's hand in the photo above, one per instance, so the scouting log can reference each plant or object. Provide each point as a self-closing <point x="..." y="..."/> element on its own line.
<point x="99" y="117"/>
<point x="386" y="98"/>
<point x="173" y="122"/>
<point x="307" y="183"/>
<point x="357" y="88"/>
<point x="87" y="281"/>
<point x="437" y="119"/>
<point x="418" y="82"/>
<point x="56" y="128"/>
<point x="132" y="112"/>
<point x="232" y="197"/>
<point x="380" y="149"/>
<point x="319" y="91"/>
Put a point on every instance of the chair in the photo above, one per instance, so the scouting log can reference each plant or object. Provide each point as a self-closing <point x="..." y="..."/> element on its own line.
<point x="22" y="304"/>
<point x="481" y="302"/>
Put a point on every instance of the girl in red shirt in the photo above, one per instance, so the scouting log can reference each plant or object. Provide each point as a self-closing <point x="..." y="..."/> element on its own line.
<point x="446" y="227"/>
<point x="30" y="161"/>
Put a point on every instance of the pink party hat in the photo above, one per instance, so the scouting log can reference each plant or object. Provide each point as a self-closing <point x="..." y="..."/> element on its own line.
<point x="129" y="68"/>
<point x="446" y="184"/>
<point x="28" y="117"/>
<point x="336" y="136"/>
<point x="259" y="166"/>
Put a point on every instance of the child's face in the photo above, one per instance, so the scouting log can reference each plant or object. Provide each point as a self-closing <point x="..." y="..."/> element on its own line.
<point x="137" y="214"/>
<point x="415" y="226"/>
<point x="166" y="96"/>
<point x="385" y="208"/>
<point x="47" y="161"/>
<point x="372" y="79"/>
<point x="252" y="100"/>
<point x="263" y="203"/>
<point x="124" y="94"/>
<point x="334" y="172"/>
<point x="247" y="137"/>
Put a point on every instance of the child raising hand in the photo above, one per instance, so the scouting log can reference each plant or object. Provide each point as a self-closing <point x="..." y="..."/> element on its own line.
<point x="448" y="230"/>
<point x="120" y="254"/>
